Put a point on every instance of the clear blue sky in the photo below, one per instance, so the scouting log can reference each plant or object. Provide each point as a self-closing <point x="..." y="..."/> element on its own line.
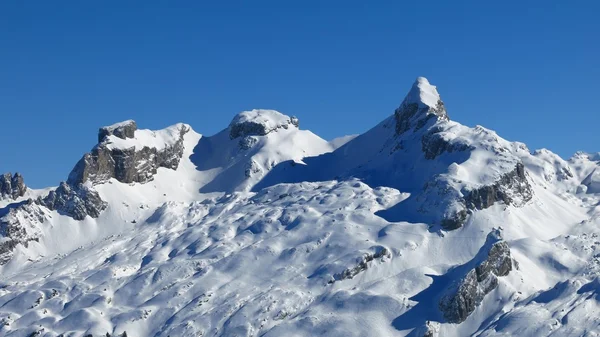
<point x="530" y="72"/>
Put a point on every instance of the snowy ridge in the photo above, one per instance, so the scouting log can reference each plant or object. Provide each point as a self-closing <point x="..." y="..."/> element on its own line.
<point x="146" y="138"/>
<point x="265" y="229"/>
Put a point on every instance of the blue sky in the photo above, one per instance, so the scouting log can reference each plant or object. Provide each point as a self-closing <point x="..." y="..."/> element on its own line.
<point x="530" y="72"/>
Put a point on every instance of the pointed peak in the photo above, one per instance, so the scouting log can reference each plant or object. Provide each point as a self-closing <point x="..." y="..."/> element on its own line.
<point x="420" y="104"/>
<point x="423" y="93"/>
<point x="259" y="122"/>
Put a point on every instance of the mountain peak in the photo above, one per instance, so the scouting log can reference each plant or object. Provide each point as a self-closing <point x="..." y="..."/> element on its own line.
<point x="422" y="103"/>
<point x="422" y="92"/>
<point x="125" y="129"/>
<point x="259" y="122"/>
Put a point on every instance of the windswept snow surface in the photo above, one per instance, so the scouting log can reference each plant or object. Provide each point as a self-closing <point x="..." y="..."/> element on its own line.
<point x="282" y="233"/>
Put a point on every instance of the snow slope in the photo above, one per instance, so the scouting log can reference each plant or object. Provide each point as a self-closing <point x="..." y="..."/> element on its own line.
<point x="265" y="229"/>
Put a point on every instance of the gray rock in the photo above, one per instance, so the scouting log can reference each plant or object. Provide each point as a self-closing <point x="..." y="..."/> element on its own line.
<point x="468" y="293"/>
<point x="76" y="202"/>
<point x="247" y="142"/>
<point x="363" y="264"/>
<point x="252" y="128"/>
<point x="20" y="222"/>
<point x="251" y="168"/>
<point x="122" y="130"/>
<point x="434" y="144"/>
<point x="12" y="186"/>
<point x="126" y="165"/>
<point x="18" y="226"/>
<point x="455" y="221"/>
<point x="511" y="188"/>
<point x="412" y="115"/>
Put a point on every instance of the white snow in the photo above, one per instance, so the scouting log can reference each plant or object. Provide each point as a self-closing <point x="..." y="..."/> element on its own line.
<point x="147" y="138"/>
<point x="220" y="247"/>
<point x="423" y="93"/>
<point x="118" y="125"/>
<point x="339" y="141"/>
<point x="270" y="118"/>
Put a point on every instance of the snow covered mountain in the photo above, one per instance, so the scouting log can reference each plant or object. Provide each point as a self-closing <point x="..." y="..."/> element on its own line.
<point x="419" y="227"/>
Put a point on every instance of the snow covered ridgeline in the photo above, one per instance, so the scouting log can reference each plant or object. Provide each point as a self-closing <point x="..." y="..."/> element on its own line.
<point x="450" y="170"/>
<point x="185" y="249"/>
<point x="259" y="122"/>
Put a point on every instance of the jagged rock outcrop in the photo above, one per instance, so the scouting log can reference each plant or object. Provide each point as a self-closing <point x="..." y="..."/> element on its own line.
<point x="19" y="222"/>
<point x="420" y="105"/>
<point x="131" y="161"/>
<point x="363" y="264"/>
<point x="74" y="201"/>
<point x="12" y="186"/>
<point x="17" y="226"/>
<point x="122" y="130"/>
<point x="465" y="295"/>
<point x="259" y="122"/>
<point x="433" y="144"/>
<point x="512" y="188"/>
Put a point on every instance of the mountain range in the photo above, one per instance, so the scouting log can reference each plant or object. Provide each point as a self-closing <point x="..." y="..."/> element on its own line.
<point x="420" y="227"/>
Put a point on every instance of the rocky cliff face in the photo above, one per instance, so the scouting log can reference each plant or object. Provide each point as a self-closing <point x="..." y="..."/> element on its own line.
<point x="12" y="186"/>
<point x="466" y="294"/>
<point x="259" y="123"/>
<point x="121" y="130"/>
<point x="129" y="162"/>
<point x="18" y="226"/>
<point x="74" y="201"/>
<point x="421" y="104"/>
<point x="511" y="188"/>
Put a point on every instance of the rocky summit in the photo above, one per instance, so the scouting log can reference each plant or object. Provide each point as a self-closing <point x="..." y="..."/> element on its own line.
<point x="12" y="186"/>
<point x="420" y="226"/>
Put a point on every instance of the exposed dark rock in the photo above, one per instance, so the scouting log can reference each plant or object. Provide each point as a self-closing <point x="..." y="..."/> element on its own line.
<point x="126" y="165"/>
<point x="12" y="186"/>
<point x="16" y="227"/>
<point x="512" y="188"/>
<point x="251" y="169"/>
<point x="76" y="202"/>
<point x="362" y="265"/>
<point x="466" y="295"/>
<point x="414" y="115"/>
<point x="247" y="142"/>
<point x="122" y="130"/>
<point x="19" y="222"/>
<point x="434" y="144"/>
<point x="455" y="221"/>
<point x="240" y="127"/>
